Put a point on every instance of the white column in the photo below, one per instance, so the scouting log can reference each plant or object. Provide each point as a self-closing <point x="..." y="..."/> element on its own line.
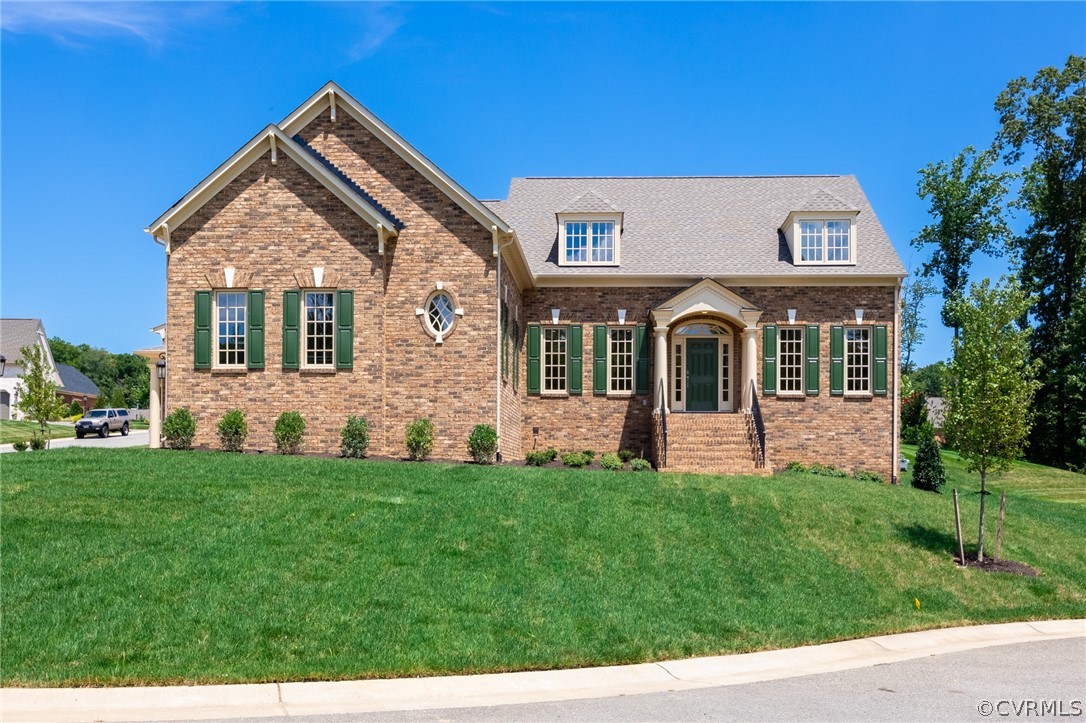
<point x="155" y="412"/>
<point x="750" y="367"/>
<point x="660" y="388"/>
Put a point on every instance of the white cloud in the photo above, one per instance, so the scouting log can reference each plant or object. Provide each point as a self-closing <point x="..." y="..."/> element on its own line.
<point x="71" y="21"/>
<point x="379" y="22"/>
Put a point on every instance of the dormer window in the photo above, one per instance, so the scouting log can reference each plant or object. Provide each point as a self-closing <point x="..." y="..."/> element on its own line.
<point x="588" y="241"/>
<point x="825" y="241"/>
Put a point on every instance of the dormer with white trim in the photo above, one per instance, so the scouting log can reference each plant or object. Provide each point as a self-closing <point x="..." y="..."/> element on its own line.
<point x="822" y="231"/>
<point x="589" y="232"/>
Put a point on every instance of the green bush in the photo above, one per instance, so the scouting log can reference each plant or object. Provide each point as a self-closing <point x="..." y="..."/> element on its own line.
<point x="19" y="446"/>
<point x="611" y="461"/>
<point x="552" y="454"/>
<point x="796" y="467"/>
<point x="867" y="476"/>
<point x="590" y="453"/>
<point x="354" y="438"/>
<point x="76" y="408"/>
<point x="483" y="444"/>
<point x="419" y="439"/>
<point x="827" y="470"/>
<point x="640" y="464"/>
<point x="537" y="458"/>
<point x="575" y="459"/>
<point x="928" y="471"/>
<point x="288" y="432"/>
<point x="626" y="454"/>
<point x="233" y="430"/>
<point x="179" y="429"/>
<point x="37" y="442"/>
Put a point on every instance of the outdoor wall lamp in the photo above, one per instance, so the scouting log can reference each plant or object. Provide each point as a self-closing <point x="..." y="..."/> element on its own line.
<point x="160" y="365"/>
<point x="859" y="316"/>
<point x="621" y="316"/>
<point x="3" y="364"/>
<point x="791" y="316"/>
<point x="555" y="313"/>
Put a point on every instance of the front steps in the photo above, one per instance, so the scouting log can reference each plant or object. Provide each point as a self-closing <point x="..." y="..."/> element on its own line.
<point x="711" y="443"/>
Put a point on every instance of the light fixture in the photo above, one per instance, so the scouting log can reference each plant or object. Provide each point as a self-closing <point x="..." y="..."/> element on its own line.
<point x="859" y="316"/>
<point x="160" y="365"/>
<point x="555" y="313"/>
<point x="791" y="316"/>
<point x="85" y="400"/>
<point x="3" y="364"/>
<point x="621" y="316"/>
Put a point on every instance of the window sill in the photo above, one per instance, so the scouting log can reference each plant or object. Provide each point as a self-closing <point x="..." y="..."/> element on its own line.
<point x="230" y="371"/>
<point x="859" y="395"/>
<point x="620" y="395"/>
<point x="317" y="370"/>
<point x="794" y="395"/>
<point x="554" y="394"/>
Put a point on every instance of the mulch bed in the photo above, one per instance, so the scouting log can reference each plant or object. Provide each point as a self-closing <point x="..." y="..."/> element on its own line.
<point x="1008" y="566"/>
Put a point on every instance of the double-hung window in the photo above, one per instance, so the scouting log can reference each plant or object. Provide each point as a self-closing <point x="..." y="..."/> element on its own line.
<point x="554" y="359"/>
<point x="230" y="312"/>
<point x="858" y="360"/>
<point x="790" y="359"/>
<point x="620" y="362"/>
<point x="320" y="333"/>
<point x="589" y="242"/>
<point x="825" y="241"/>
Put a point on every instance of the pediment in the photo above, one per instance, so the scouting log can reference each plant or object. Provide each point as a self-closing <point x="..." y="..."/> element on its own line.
<point x="707" y="297"/>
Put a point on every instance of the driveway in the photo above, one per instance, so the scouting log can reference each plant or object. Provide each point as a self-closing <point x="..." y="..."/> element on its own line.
<point x="135" y="438"/>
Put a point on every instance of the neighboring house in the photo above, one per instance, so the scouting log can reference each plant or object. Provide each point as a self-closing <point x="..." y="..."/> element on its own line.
<point x="711" y="323"/>
<point x="936" y="408"/>
<point x="15" y="334"/>
<point x="75" y="386"/>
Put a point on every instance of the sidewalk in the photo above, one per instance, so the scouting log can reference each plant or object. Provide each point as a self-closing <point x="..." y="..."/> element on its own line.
<point x="292" y="699"/>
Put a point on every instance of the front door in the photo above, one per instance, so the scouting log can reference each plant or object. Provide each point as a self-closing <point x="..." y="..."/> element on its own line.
<point x="701" y="375"/>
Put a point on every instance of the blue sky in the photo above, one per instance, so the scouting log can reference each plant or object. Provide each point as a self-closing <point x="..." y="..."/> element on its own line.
<point x="109" y="112"/>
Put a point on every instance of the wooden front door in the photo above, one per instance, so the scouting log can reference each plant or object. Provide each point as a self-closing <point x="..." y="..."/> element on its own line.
<point x="702" y="372"/>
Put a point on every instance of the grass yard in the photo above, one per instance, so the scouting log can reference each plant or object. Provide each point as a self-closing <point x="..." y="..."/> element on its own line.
<point x="21" y="431"/>
<point x="136" y="566"/>
<point x="1025" y="479"/>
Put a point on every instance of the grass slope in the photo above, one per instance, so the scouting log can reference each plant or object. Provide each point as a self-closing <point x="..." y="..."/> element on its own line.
<point x="137" y="566"/>
<point x="21" y="431"/>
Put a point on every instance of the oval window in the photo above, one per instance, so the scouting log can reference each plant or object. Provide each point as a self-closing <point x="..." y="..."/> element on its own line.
<point x="440" y="313"/>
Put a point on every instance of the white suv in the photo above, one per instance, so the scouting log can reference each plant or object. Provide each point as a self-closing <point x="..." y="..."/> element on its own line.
<point x="102" y="422"/>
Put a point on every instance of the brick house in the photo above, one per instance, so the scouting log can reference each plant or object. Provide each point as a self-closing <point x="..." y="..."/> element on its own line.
<point x="712" y="323"/>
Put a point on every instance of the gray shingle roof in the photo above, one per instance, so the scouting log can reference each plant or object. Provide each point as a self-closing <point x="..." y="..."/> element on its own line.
<point x="17" y="333"/>
<point x="74" y="381"/>
<point x="697" y="226"/>
<point x="589" y="202"/>
<point x="821" y="200"/>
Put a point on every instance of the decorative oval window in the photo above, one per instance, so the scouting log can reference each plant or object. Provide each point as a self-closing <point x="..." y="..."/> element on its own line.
<point x="440" y="314"/>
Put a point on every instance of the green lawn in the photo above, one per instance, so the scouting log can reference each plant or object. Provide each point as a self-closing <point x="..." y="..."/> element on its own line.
<point x="139" y="566"/>
<point x="21" y="431"/>
<point x="1023" y="480"/>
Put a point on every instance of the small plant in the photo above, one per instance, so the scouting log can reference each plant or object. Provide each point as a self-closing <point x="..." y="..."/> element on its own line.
<point x="626" y="454"/>
<point x="419" y="439"/>
<point x="552" y="454"/>
<point x="796" y="467"/>
<point x="483" y="444"/>
<point x="74" y="409"/>
<point x="590" y="453"/>
<point x="827" y="470"/>
<point x="288" y="432"/>
<point x="233" y="430"/>
<point x="37" y="442"/>
<point x="611" y="461"/>
<point x="640" y="464"/>
<point x="354" y="437"/>
<point x="537" y="458"/>
<point x="179" y="429"/>
<point x="928" y="471"/>
<point x="19" y="446"/>
<point x="864" y="475"/>
<point x="575" y="459"/>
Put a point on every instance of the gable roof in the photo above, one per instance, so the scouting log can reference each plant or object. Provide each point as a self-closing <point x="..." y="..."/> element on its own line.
<point x="823" y="200"/>
<point x="17" y="333"/>
<point x="332" y="96"/>
<point x="74" y="381"/>
<point x="694" y="227"/>
<point x="590" y="202"/>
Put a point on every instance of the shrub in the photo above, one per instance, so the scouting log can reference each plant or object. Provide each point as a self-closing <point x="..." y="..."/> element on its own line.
<point x="37" y="442"/>
<point x="75" y="417"/>
<point x="19" y="446"/>
<point x="76" y="408"/>
<point x="867" y="476"/>
<point x="419" y="439"/>
<point x="483" y="444"/>
<point x="626" y="454"/>
<point x="575" y="459"/>
<point x="354" y="438"/>
<point x="640" y="464"/>
<point x="928" y="472"/>
<point x="590" y="453"/>
<point x="233" y="430"/>
<point x="612" y="462"/>
<point x="288" y="432"/>
<point x="179" y="429"/>
<point x="538" y="458"/>
<point x="552" y="454"/>
<point x="796" y="467"/>
<point x="827" y="470"/>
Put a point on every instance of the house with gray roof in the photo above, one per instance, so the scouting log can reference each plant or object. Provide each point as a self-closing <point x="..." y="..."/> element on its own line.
<point x="15" y="335"/>
<point x="726" y="324"/>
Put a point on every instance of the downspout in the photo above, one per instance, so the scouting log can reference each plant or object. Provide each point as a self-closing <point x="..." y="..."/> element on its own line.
<point x="896" y="446"/>
<point x="498" y="246"/>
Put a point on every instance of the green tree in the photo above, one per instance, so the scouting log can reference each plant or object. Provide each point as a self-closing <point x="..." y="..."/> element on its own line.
<point x="990" y="383"/>
<point x="913" y="293"/>
<point x="966" y="203"/>
<point x="929" y="380"/>
<point x="1043" y="129"/>
<point x="38" y="398"/>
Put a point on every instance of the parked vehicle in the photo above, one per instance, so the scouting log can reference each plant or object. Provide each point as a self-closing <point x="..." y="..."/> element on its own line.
<point x="102" y="422"/>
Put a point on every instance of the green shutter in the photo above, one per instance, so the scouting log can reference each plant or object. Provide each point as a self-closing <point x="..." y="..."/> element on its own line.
<point x="202" y="345"/>
<point x="769" y="359"/>
<point x="291" y="338"/>
<point x="837" y="360"/>
<point x="516" y="356"/>
<point x="574" y="365"/>
<point x="533" y="358"/>
<point x="344" y="329"/>
<point x="641" y="340"/>
<point x="254" y="331"/>
<point x="880" y="360"/>
<point x="505" y="339"/>
<point x="812" y="352"/>
<point x="599" y="360"/>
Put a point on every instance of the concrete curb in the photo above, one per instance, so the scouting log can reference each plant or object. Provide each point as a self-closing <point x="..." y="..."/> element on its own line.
<point x="459" y="691"/>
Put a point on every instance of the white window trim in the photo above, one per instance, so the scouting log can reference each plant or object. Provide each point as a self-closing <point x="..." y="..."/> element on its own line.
<point x="303" y="335"/>
<point x="869" y="392"/>
<point x="802" y="391"/>
<point x="795" y="237"/>
<point x="244" y="365"/>
<point x="723" y="406"/>
<point x="543" y="391"/>
<point x="633" y="362"/>
<point x="589" y="218"/>
<point x="423" y="312"/>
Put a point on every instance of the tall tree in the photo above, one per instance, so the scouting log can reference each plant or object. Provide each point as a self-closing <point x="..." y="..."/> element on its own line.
<point x="1043" y="128"/>
<point x="990" y="383"/>
<point x="913" y="293"/>
<point x="967" y="207"/>
<point x="38" y="398"/>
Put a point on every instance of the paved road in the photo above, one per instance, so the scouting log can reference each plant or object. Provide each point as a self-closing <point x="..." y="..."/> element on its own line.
<point x="135" y="438"/>
<point x="950" y="687"/>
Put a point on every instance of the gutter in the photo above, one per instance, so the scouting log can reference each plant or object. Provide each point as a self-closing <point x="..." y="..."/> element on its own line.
<point x="896" y="443"/>
<point x="498" y="246"/>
